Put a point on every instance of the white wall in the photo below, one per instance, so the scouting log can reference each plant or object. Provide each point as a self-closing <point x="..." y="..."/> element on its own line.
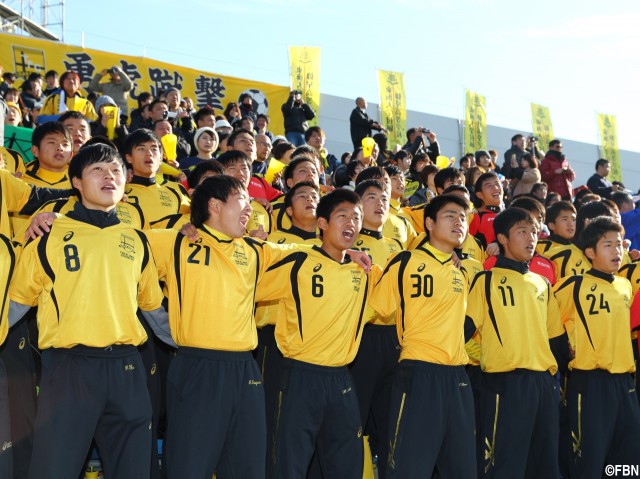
<point x="334" y="119"/>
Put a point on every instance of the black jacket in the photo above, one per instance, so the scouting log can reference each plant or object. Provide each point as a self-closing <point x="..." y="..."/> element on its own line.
<point x="506" y="166"/>
<point x="296" y="116"/>
<point x="600" y="186"/>
<point x="419" y="146"/>
<point x="246" y="111"/>
<point x="361" y="126"/>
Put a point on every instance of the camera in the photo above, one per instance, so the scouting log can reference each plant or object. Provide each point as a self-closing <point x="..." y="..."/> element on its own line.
<point x="425" y="130"/>
<point x="171" y="114"/>
<point x="296" y="92"/>
<point x="533" y="139"/>
<point x="111" y="71"/>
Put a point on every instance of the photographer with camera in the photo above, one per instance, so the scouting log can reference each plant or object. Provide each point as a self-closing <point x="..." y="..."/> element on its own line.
<point x="360" y="123"/>
<point x="117" y="88"/>
<point x="532" y="147"/>
<point x="422" y="140"/>
<point x="296" y="114"/>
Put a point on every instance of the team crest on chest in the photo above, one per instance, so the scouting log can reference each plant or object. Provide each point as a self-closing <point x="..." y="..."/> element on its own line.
<point x="127" y="247"/>
<point x="457" y="281"/>
<point x="356" y="279"/>
<point x="239" y="256"/>
<point x="165" y="199"/>
<point x="123" y="214"/>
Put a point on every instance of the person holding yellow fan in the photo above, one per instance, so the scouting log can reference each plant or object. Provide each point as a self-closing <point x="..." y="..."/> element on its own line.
<point x="108" y="122"/>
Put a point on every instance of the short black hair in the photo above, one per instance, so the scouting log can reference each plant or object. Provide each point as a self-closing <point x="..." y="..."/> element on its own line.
<point x="370" y="173"/>
<point x="530" y="204"/>
<point x="144" y="96"/>
<point x="288" y="198"/>
<point x="515" y="138"/>
<point x="262" y="115"/>
<point x="328" y="203"/>
<point x="200" y="169"/>
<point x="477" y="187"/>
<point x="305" y="150"/>
<point x="601" y="162"/>
<point x="393" y="170"/>
<point x="204" y="111"/>
<point x="507" y="219"/>
<point x="447" y="174"/>
<point x="155" y="102"/>
<point x="432" y="208"/>
<point x="72" y="114"/>
<point x="621" y="197"/>
<point x="426" y="172"/>
<point x="311" y="131"/>
<point x="366" y="184"/>
<point x="91" y="154"/>
<point x="401" y="155"/>
<point x="417" y="159"/>
<point x="49" y="128"/>
<point x="237" y="132"/>
<point x="538" y="185"/>
<point x="589" y="211"/>
<point x="556" y="210"/>
<point x="138" y="137"/>
<point x="411" y="131"/>
<point x="596" y="230"/>
<point x="232" y="157"/>
<point x="281" y="148"/>
<point x="452" y="188"/>
<point x="288" y="171"/>
<point x="99" y="140"/>
<point x="51" y="74"/>
<point x="553" y="143"/>
<point x="219" y="187"/>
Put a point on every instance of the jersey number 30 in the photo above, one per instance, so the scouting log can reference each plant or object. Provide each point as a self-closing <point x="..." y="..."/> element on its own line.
<point x="421" y="285"/>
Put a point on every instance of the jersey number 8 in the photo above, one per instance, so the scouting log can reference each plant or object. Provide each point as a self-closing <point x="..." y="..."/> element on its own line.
<point x="71" y="258"/>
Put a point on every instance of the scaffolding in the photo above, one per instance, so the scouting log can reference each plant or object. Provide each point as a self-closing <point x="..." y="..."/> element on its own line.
<point x="39" y="19"/>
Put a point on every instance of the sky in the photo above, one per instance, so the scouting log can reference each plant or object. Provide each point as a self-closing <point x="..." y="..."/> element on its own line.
<point x="575" y="57"/>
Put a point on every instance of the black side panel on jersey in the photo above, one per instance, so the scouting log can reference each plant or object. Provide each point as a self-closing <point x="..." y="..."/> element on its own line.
<point x="42" y="255"/>
<point x="176" y="266"/>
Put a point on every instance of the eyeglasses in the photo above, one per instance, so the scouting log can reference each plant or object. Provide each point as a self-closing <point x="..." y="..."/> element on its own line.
<point x="264" y="143"/>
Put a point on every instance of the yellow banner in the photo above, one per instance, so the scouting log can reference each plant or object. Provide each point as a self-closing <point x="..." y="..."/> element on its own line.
<point x="305" y="76"/>
<point x="28" y="55"/>
<point x="475" y="125"/>
<point x="541" y="123"/>
<point x="609" y="139"/>
<point x="393" y="107"/>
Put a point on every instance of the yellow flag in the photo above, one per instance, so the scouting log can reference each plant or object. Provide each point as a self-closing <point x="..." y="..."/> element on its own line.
<point x="305" y="76"/>
<point x="475" y="124"/>
<point x="609" y="139"/>
<point x="541" y="123"/>
<point x="25" y="55"/>
<point x="393" y="107"/>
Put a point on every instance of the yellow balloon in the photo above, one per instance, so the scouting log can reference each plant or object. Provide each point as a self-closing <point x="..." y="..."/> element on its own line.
<point x="442" y="162"/>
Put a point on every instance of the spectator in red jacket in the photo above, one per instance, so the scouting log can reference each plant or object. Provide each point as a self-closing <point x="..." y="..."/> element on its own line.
<point x="557" y="172"/>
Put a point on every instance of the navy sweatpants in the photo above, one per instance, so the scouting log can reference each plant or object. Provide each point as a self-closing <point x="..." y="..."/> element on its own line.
<point x="432" y="422"/>
<point x="215" y="415"/>
<point x="317" y="407"/>
<point x="88" y="393"/>
<point x="604" y="422"/>
<point x="372" y="372"/>
<point x="520" y="424"/>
